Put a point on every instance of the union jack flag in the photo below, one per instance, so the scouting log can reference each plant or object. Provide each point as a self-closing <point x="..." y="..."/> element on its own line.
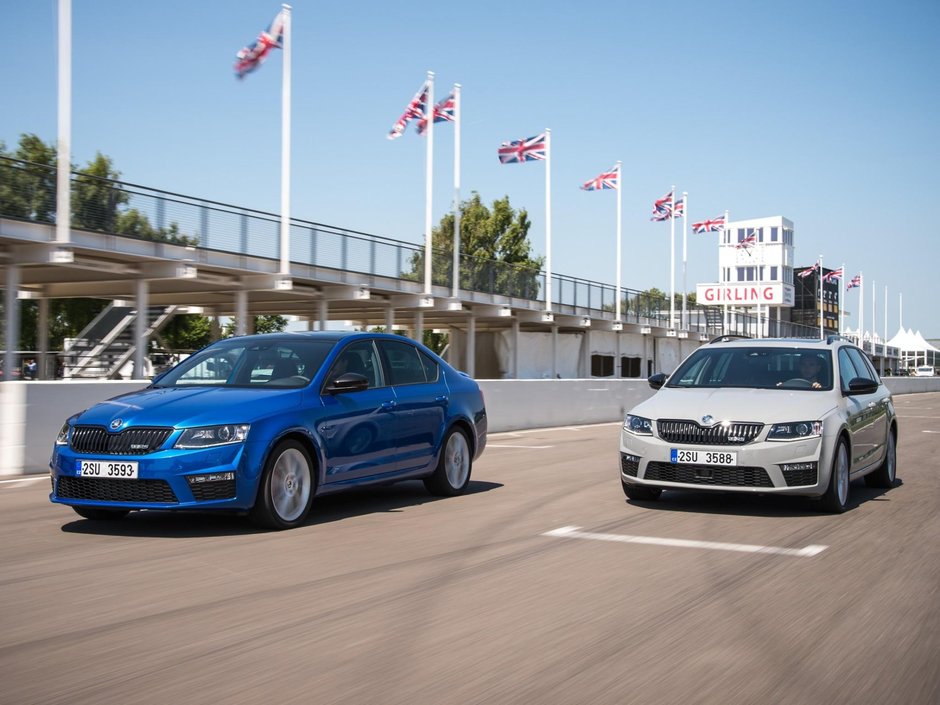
<point x="679" y="210"/>
<point x="530" y="149"/>
<point x="854" y="282"/>
<point x="809" y="270"/>
<point x="662" y="208"/>
<point x="253" y="55"/>
<point x="445" y="111"/>
<point x="415" y="111"/>
<point x="714" y="225"/>
<point x="748" y="242"/>
<point x="609" y="179"/>
<point x="833" y="275"/>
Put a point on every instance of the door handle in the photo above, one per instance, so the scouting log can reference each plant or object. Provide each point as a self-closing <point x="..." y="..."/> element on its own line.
<point x="389" y="405"/>
<point x="871" y="405"/>
<point x="442" y="398"/>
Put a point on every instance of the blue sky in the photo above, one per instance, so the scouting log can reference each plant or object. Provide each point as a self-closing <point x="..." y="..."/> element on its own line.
<point x="823" y="112"/>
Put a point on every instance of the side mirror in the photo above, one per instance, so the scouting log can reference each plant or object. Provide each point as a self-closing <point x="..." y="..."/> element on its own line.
<point x="657" y="380"/>
<point x="861" y="385"/>
<point x="349" y="382"/>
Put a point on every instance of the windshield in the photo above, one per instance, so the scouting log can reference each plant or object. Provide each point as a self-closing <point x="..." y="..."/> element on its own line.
<point x="755" y="368"/>
<point x="241" y="362"/>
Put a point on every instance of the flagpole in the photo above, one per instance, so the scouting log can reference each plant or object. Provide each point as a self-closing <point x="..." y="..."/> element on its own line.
<point x="873" y="305"/>
<point x="285" y="142"/>
<point x="861" y="311"/>
<point x="685" y="291"/>
<point x="619" y="240"/>
<point x="841" y="283"/>
<point x="428" y="182"/>
<point x="757" y="266"/>
<point x="63" y="184"/>
<point x="548" y="219"/>
<point x="822" y="333"/>
<point x="456" y="287"/>
<point x="725" y="321"/>
<point x="672" y="260"/>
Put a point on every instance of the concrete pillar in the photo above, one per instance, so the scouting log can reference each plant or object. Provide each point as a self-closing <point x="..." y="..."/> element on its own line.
<point x="250" y="324"/>
<point x="585" y="356"/>
<point x="419" y="326"/>
<point x="554" y="352"/>
<point x="389" y="318"/>
<point x="514" y="352"/>
<point x="618" y="369"/>
<point x="11" y="324"/>
<point x="324" y="313"/>
<point x="42" y="333"/>
<point x="140" y="327"/>
<point x="215" y="328"/>
<point x="471" y="346"/>
<point x="241" y="312"/>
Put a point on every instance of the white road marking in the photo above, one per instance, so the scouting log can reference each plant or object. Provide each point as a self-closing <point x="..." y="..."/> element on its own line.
<point x="925" y="431"/>
<point x="553" y="428"/>
<point x="490" y="445"/>
<point x="31" y="478"/>
<point x="573" y="532"/>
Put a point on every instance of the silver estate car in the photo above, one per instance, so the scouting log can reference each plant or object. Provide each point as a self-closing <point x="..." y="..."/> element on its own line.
<point x="796" y="417"/>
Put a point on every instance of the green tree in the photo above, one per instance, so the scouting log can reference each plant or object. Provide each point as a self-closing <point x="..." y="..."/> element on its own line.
<point x="28" y="190"/>
<point x="496" y="255"/>
<point x="187" y="331"/>
<point x="95" y="198"/>
<point x="263" y="324"/>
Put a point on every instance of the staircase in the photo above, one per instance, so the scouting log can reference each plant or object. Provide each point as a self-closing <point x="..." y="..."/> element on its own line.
<point x="106" y="344"/>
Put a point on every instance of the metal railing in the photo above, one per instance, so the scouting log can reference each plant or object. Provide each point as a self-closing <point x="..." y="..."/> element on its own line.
<point x="27" y="191"/>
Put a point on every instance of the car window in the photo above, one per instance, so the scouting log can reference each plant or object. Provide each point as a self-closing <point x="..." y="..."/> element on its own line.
<point x="403" y="363"/>
<point x="431" y="368"/>
<point x="847" y="371"/>
<point x="755" y="368"/>
<point x="862" y="365"/>
<point x="211" y="368"/>
<point x="362" y="358"/>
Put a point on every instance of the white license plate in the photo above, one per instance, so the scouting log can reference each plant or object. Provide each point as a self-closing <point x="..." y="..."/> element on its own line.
<point x="126" y="469"/>
<point x="703" y="457"/>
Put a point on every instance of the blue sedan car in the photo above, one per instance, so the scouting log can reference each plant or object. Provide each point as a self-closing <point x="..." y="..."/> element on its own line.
<point x="264" y="423"/>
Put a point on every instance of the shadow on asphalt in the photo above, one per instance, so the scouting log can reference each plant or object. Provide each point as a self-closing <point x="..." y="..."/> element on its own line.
<point x="325" y="510"/>
<point x="735" y="503"/>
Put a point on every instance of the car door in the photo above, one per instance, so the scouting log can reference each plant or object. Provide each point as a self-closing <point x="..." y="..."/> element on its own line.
<point x="358" y="427"/>
<point x="877" y="403"/>
<point x="858" y="412"/>
<point x="422" y="398"/>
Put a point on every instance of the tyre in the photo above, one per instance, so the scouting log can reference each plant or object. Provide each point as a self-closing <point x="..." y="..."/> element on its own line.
<point x="452" y="474"/>
<point x="641" y="492"/>
<point x="96" y="514"/>
<point x="885" y="475"/>
<point x="837" y="493"/>
<point x="287" y="488"/>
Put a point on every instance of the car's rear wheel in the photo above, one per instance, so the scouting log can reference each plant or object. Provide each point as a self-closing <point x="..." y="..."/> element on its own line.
<point x="885" y="475"/>
<point x="287" y="488"/>
<point x="641" y="492"/>
<point x="837" y="493"/>
<point x="97" y="514"/>
<point x="452" y="474"/>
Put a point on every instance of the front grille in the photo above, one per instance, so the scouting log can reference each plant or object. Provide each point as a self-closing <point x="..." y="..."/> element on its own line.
<point x="629" y="467"/>
<point x="205" y="491"/>
<point x="797" y="478"/>
<point x="683" y="431"/>
<point x="106" y="489"/>
<point x="739" y="476"/>
<point x="132" y="441"/>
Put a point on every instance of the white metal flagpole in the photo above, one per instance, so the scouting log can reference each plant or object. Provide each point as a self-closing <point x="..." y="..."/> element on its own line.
<point x="685" y="291"/>
<point x="672" y="261"/>
<point x="723" y="236"/>
<point x="285" y="142"/>
<point x="548" y="219"/>
<point x="63" y="185"/>
<point x="861" y="311"/>
<point x="841" y="283"/>
<point x="619" y="239"/>
<point x="429" y="183"/>
<point x="822" y="334"/>
<point x="456" y="287"/>
<point x="873" y="305"/>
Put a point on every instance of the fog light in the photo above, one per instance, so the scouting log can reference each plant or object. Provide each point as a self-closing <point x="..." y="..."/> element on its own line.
<point x="630" y="458"/>
<point x="798" y="467"/>
<point x="211" y="477"/>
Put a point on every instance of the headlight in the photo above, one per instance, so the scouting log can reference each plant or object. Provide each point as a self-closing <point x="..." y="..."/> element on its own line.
<point x="638" y="425"/>
<point x="208" y="436"/>
<point x="795" y="431"/>
<point x="63" y="438"/>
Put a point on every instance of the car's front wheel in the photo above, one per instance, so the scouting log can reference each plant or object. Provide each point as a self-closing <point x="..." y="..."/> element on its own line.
<point x="885" y="475"/>
<point x="96" y="514"/>
<point x="287" y="488"/>
<point x="837" y="493"/>
<point x="452" y="474"/>
<point x="641" y="492"/>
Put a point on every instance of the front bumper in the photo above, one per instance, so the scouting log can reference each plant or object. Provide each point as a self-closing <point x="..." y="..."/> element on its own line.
<point x="222" y="479"/>
<point x="647" y="461"/>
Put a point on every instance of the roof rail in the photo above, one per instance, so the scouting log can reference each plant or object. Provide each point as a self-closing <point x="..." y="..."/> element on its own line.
<point x="830" y="339"/>
<point x="726" y="338"/>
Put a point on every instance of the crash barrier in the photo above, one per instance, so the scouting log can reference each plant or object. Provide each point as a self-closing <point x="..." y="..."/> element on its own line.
<point x="31" y="413"/>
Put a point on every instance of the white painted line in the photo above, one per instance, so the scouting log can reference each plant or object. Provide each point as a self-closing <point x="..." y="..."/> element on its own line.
<point x="490" y="445"/>
<point x="32" y="478"/>
<point x="925" y="431"/>
<point x="554" y="428"/>
<point x="573" y="532"/>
